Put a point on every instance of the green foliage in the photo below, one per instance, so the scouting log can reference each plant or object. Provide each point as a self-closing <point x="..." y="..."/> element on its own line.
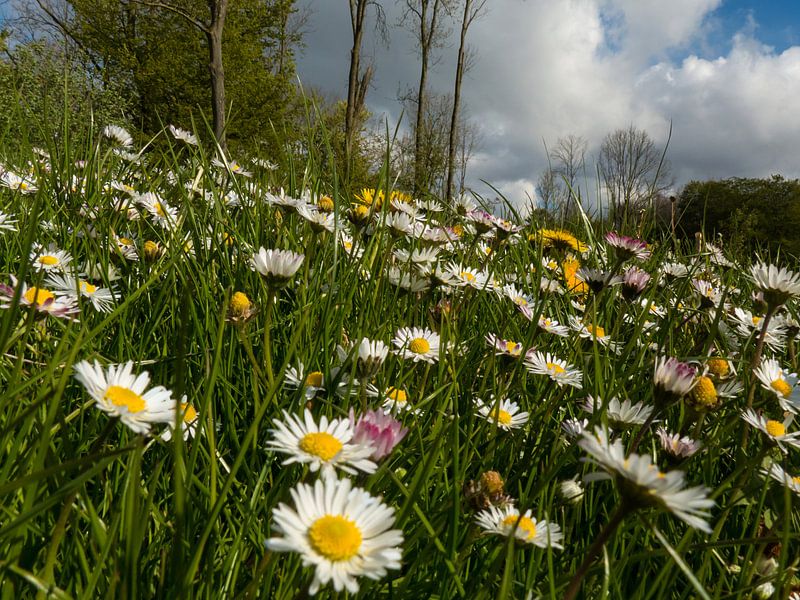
<point x="42" y="89"/>
<point x="746" y="212"/>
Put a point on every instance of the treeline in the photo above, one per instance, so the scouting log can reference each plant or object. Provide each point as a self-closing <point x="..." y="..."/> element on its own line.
<point x="748" y="214"/>
<point x="226" y="69"/>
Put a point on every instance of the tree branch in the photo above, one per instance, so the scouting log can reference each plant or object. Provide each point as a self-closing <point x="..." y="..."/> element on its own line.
<point x="176" y="10"/>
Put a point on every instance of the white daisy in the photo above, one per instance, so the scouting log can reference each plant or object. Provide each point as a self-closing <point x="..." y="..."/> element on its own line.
<point x="158" y="209"/>
<point x="673" y="379"/>
<point x="774" y="430"/>
<point x="777" y="284"/>
<point x="394" y="400"/>
<point x="508" y="520"/>
<point x="417" y="344"/>
<point x="326" y="446"/>
<point x="231" y="166"/>
<point x="101" y="298"/>
<point x="642" y="483"/>
<point x="119" y="135"/>
<point x="7" y="222"/>
<point x="310" y="383"/>
<point x="504" y="413"/>
<point x="503" y="347"/>
<point x="42" y="299"/>
<point x="49" y="259"/>
<point x="558" y="370"/>
<point x="183" y="135"/>
<point x="277" y="267"/>
<point x="623" y="413"/>
<point x="340" y="530"/>
<point x="781" y="383"/>
<point x="573" y="428"/>
<point x="674" y="444"/>
<point x="466" y="276"/>
<point x="368" y="354"/>
<point x="120" y="393"/>
<point x="24" y="185"/>
<point x="778" y="473"/>
<point x="552" y="326"/>
<point x="188" y="422"/>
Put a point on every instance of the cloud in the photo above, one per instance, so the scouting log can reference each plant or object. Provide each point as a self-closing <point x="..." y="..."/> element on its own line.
<point x="586" y="67"/>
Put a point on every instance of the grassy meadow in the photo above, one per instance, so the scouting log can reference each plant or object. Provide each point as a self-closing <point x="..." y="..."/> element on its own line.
<point x="411" y="399"/>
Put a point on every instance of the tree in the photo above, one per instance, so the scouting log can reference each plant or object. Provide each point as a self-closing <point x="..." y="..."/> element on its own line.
<point x="358" y="80"/>
<point x="633" y="172"/>
<point x="425" y="15"/>
<point x="473" y="9"/>
<point x="162" y="60"/>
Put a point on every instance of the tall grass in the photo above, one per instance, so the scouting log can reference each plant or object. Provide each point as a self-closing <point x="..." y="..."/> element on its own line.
<point x="90" y="509"/>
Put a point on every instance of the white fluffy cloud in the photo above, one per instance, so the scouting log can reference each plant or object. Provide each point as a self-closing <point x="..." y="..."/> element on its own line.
<point x="546" y="69"/>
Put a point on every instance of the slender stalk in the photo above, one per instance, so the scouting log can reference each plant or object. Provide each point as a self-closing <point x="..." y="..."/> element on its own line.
<point x="594" y="550"/>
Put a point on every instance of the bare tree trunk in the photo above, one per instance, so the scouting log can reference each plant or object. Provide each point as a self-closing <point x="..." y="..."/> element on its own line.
<point x="219" y="10"/>
<point x="451" y="147"/>
<point x="358" y="12"/>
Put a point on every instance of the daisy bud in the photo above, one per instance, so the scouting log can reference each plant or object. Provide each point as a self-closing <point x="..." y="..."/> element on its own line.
<point x="673" y="379"/>
<point x="704" y="397"/>
<point x="377" y="429"/>
<point x="492" y="482"/>
<point x="764" y="591"/>
<point x="325" y="204"/>
<point x="152" y="250"/>
<point x="633" y="283"/>
<point x="571" y="491"/>
<point x="240" y="309"/>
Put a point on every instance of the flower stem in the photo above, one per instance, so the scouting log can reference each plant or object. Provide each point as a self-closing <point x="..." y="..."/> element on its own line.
<point x="594" y="550"/>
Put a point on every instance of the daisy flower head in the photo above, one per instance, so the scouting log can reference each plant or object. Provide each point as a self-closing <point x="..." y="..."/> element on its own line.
<point x="187" y="422"/>
<point x="102" y="299"/>
<point x="119" y="135"/>
<point x="673" y="379"/>
<point x="589" y="331"/>
<point x="552" y="326"/>
<point x="417" y="344"/>
<point x="778" y="473"/>
<point x="240" y="308"/>
<point x="394" y="400"/>
<point x="183" y="135"/>
<point x="277" y="267"/>
<point x="596" y="279"/>
<point x="704" y="396"/>
<point x="231" y="166"/>
<point x="710" y="295"/>
<point x="120" y="393"/>
<point x="504" y="413"/>
<point x="626" y="247"/>
<point x="677" y="446"/>
<point x="774" y="430"/>
<point x="24" y="185"/>
<point x="777" y="284"/>
<point x="311" y="383"/>
<point x="558" y="370"/>
<point x="49" y="259"/>
<point x="634" y="281"/>
<point x="571" y="491"/>
<point x="573" y="428"/>
<point x="620" y="413"/>
<point x="42" y="299"/>
<point x="505" y="348"/>
<point x="160" y="212"/>
<point x="463" y="276"/>
<point x="780" y="382"/>
<point x="524" y="527"/>
<point x="517" y="296"/>
<point x="377" y="429"/>
<point x="327" y="446"/>
<point x="368" y="354"/>
<point x="487" y="491"/>
<point x="642" y="484"/>
<point x="7" y="222"/>
<point x="317" y="219"/>
<point x="340" y="530"/>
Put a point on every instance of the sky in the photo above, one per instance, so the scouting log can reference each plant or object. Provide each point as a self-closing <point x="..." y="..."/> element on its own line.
<point x="725" y="74"/>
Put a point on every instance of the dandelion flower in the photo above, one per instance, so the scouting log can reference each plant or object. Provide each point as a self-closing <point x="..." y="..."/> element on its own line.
<point x="340" y="530"/>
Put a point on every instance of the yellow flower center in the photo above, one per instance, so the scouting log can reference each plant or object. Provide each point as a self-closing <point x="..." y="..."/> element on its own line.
<point x="458" y="230"/>
<point x="520" y="301"/>
<point x="125" y="241"/>
<point x="596" y="331"/>
<point x="419" y="346"/>
<point x="775" y="428"/>
<point x="756" y="320"/>
<point x="796" y="480"/>
<point x="321" y="444"/>
<point x="398" y="396"/>
<point x="525" y="524"/>
<point x="87" y="287"/>
<point x="335" y="537"/>
<point x="314" y="379"/>
<point x="240" y="303"/>
<point x="189" y="412"/>
<point x="554" y="368"/>
<point x="151" y="249"/>
<point x="780" y="386"/>
<point x="122" y="396"/>
<point x="718" y="367"/>
<point x="512" y="348"/>
<point x="468" y="276"/>
<point x="704" y="393"/>
<point x="23" y="185"/>
<point x="160" y="209"/>
<point x="492" y="482"/>
<point x="36" y="295"/>
<point x="48" y="260"/>
<point x="325" y="204"/>
<point x="503" y="417"/>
